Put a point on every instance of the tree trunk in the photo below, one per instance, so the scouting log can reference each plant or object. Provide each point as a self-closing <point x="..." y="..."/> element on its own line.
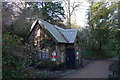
<point x="100" y="46"/>
<point x="69" y="15"/>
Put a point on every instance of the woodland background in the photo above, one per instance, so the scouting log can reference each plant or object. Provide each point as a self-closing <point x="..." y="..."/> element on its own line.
<point x="99" y="39"/>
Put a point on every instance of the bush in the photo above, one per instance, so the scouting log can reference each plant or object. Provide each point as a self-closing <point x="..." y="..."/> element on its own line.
<point x="97" y="54"/>
<point x="21" y="28"/>
<point x="11" y="66"/>
<point x="60" y="66"/>
<point x="48" y="64"/>
<point x="9" y="42"/>
<point x="10" y="39"/>
<point x="43" y="75"/>
<point x="115" y="70"/>
<point x="45" y="64"/>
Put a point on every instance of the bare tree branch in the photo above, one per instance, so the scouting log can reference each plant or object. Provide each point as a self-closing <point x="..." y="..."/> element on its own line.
<point x="70" y="9"/>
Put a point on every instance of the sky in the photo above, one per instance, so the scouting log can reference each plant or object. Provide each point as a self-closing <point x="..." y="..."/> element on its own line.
<point x="79" y="17"/>
<point x="81" y="14"/>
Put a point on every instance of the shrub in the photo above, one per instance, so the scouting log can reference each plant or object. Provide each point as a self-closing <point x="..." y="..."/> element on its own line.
<point x="11" y="66"/>
<point x="45" y="64"/>
<point x="9" y="42"/>
<point x="97" y="54"/>
<point x="9" y="38"/>
<point x="21" y="28"/>
<point x="60" y="66"/>
<point x="43" y="75"/>
<point x="115" y="70"/>
<point x="48" y="64"/>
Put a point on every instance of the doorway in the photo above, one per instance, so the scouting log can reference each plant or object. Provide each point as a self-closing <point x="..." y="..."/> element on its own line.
<point x="70" y="57"/>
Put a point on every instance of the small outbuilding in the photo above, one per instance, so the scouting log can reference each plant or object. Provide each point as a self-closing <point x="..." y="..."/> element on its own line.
<point x="54" y="43"/>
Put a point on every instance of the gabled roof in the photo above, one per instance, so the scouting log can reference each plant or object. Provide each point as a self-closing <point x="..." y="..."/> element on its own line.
<point x="51" y="28"/>
<point x="60" y="34"/>
<point x="70" y="34"/>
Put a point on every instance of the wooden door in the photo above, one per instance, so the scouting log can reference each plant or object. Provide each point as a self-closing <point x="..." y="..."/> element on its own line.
<point x="70" y="57"/>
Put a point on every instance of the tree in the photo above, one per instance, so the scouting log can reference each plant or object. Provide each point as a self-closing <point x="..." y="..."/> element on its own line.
<point x="99" y="22"/>
<point x="7" y="14"/>
<point x="70" y="8"/>
<point x="25" y="12"/>
<point x="52" y="12"/>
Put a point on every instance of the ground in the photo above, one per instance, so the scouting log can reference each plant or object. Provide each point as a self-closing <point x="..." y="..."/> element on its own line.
<point x="95" y="69"/>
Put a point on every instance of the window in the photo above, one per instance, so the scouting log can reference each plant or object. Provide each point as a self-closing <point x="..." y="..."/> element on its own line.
<point x="38" y="33"/>
<point x="43" y="55"/>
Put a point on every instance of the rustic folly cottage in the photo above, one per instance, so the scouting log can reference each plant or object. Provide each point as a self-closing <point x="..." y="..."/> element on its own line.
<point x="54" y="43"/>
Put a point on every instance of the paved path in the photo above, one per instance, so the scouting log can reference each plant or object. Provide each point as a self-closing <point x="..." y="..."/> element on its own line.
<point x="96" y="69"/>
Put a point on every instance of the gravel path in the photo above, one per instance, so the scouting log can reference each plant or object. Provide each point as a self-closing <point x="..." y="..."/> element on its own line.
<point x="95" y="69"/>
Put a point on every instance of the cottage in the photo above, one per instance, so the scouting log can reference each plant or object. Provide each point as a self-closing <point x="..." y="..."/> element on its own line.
<point x="54" y="43"/>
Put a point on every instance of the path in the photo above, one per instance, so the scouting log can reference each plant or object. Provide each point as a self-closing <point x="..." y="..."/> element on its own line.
<point x="96" y="69"/>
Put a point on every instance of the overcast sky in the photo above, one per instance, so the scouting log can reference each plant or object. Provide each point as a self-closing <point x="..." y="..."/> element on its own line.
<point x="80" y="14"/>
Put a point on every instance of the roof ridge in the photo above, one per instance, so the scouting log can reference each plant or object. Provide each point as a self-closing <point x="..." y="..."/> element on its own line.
<point x="64" y="37"/>
<point x="50" y="29"/>
<point x="60" y="34"/>
<point x="64" y="34"/>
